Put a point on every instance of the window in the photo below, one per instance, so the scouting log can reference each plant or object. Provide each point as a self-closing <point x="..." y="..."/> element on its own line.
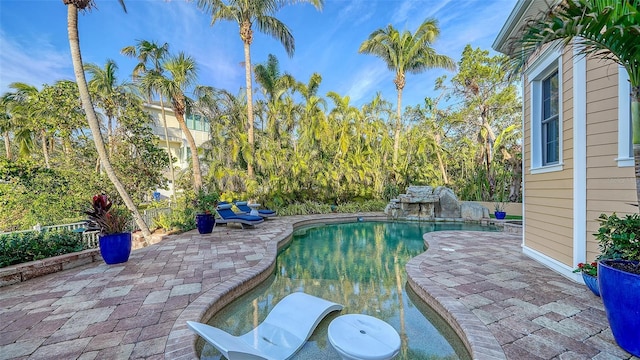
<point x="197" y="122"/>
<point x="550" y="136"/>
<point x="625" y="134"/>
<point x="546" y="111"/>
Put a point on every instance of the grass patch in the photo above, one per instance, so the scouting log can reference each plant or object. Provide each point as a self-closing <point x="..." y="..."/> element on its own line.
<point x="508" y="217"/>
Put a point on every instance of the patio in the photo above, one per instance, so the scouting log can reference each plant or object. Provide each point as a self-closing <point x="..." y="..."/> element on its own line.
<point x="506" y="304"/>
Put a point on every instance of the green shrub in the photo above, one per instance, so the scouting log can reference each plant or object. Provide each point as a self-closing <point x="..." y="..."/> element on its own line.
<point x="390" y="191"/>
<point x="17" y="248"/>
<point x="312" y="207"/>
<point x="179" y="219"/>
<point x="619" y="238"/>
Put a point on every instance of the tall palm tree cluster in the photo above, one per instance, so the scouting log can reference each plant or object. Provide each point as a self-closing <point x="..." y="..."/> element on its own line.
<point x="292" y="143"/>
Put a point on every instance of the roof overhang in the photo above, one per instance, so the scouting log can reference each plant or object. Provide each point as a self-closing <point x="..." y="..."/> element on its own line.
<point x="524" y="10"/>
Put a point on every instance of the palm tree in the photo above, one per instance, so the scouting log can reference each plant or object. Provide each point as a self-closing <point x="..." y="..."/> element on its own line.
<point x="23" y="113"/>
<point x="107" y="91"/>
<point x="5" y="123"/>
<point x="183" y="74"/>
<point x="605" y="29"/>
<point x="74" y="44"/>
<point x="247" y="13"/>
<point x="274" y="86"/>
<point x="311" y="126"/>
<point x="404" y="53"/>
<point x="151" y="53"/>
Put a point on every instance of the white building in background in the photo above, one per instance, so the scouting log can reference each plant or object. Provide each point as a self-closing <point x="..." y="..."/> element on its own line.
<point x="178" y="145"/>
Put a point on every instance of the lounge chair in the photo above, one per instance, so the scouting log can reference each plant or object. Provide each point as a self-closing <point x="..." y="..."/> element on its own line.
<point x="242" y="206"/>
<point x="227" y="216"/>
<point x="285" y="330"/>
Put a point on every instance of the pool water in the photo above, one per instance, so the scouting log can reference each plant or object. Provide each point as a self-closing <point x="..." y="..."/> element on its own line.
<point x="361" y="266"/>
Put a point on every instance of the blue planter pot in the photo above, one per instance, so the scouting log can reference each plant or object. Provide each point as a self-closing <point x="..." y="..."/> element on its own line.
<point x="205" y="223"/>
<point x="500" y="215"/>
<point x="115" y="248"/>
<point x="592" y="283"/>
<point x="620" y="291"/>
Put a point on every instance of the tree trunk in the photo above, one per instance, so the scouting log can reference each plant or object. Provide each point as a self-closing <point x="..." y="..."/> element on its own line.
<point x="195" y="161"/>
<point x="635" y="128"/>
<point x="7" y="145"/>
<point x="396" y="135"/>
<point x="445" y="178"/>
<point x="92" y="119"/>
<point x="45" y="149"/>
<point x="166" y="139"/>
<point x="247" y="72"/>
<point x="110" y="135"/>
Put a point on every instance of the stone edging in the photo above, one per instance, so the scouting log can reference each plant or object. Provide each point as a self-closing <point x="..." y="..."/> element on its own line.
<point x="476" y="337"/>
<point x="479" y="341"/>
<point x="22" y="272"/>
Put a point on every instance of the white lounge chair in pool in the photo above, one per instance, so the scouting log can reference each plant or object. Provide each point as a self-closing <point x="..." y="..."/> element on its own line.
<point x="279" y="336"/>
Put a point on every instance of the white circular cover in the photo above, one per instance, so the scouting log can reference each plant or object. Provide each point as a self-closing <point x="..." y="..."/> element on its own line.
<point x="363" y="337"/>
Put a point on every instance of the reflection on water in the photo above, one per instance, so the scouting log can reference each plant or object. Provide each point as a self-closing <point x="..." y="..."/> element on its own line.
<point x="361" y="266"/>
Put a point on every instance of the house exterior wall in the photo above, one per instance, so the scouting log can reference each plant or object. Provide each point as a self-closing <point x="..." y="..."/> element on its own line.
<point x="548" y="197"/>
<point x="595" y="174"/>
<point x="610" y="187"/>
<point x="558" y="230"/>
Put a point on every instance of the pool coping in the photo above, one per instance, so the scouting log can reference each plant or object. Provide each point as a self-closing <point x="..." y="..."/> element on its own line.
<point x="477" y="338"/>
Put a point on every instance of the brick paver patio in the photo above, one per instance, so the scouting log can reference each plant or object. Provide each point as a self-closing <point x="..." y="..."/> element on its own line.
<point x="505" y="304"/>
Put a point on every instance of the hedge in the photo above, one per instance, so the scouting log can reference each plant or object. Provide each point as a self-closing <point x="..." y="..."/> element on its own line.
<point x="17" y="248"/>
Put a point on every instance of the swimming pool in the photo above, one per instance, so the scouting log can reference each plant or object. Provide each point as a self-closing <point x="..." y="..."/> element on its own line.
<point x="362" y="266"/>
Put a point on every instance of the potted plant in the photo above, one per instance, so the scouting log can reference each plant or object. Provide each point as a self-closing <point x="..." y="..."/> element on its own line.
<point x="203" y="204"/>
<point x="590" y="276"/>
<point x="113" y="224"/>
<point x="499" y="212"/>
<point x="619" y="277"/>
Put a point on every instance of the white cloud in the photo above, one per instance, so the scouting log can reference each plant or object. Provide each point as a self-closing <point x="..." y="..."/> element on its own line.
<point x="31" y="61"/>
<point x="412" y="13"/>
<point x="367" y="81"/>
<point x="356" y="12"/>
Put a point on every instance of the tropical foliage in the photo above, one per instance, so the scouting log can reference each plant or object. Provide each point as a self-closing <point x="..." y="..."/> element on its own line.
<point x="406" y="52"/>
<point x="293" y="148"/>
<point x="246" y="14"/>
<point x="73" y="7"/>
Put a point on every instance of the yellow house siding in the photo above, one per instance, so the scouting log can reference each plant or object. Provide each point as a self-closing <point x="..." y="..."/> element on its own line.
<point x="562" y="202"/>
<point x="549" y="196"/>
<point x="609" y="187"/>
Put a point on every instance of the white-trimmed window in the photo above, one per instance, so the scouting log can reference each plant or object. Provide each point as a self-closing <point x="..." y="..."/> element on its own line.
<point x="549" y="120"/>
<point x="625" y="142"/>
<point x="546" y="111"/>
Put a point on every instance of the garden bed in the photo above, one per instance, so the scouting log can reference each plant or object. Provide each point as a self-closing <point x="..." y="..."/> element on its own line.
<point x="22" y="272"/>
<point x="14" y="274"/>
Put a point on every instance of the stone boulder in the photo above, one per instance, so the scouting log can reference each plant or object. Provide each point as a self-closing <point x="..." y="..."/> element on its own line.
<point x="418" y="194"/>
<point x="448" y="205"/>
<point x="392" y="209"/>
<point x="470" y="210"/>
<point x="427" y="203"/>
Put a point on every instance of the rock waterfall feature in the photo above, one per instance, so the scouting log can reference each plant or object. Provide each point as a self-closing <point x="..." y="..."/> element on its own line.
<point x="427" y="203"/>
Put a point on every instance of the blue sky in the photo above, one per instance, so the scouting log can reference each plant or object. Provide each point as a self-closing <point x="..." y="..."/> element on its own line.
<point x="34" y="48"/>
